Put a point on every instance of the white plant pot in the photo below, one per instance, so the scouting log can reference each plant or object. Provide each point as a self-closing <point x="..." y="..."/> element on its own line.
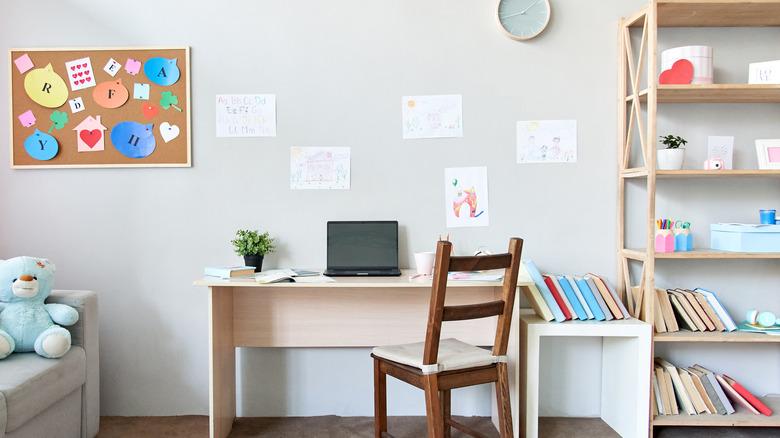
<point x="670" y="159"/>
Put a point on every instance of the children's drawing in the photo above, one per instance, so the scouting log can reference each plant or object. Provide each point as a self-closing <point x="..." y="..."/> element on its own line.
<point x="466" y="197"/>
<point x="547" y="141"/>
<point x="432" y="116"/>
<point x="246" y="115"/>
<point x="319" y="168"/>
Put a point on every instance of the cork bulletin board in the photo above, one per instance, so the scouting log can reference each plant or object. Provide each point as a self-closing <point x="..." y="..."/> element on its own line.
<point x="100" y="107"/>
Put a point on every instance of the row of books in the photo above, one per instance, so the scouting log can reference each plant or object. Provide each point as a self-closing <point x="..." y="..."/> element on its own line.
<point x="570" y="297"/>
<point x="696" y="390"/>
<point x="697" y="310"/>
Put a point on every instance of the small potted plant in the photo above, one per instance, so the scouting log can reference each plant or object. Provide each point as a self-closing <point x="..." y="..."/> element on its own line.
<point x="253" y="246"/>
<point x="673" y="156"/>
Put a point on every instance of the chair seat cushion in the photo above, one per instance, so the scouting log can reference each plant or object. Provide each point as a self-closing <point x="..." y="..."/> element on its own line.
<point x="453" y="355"/>
<point x="31" y="383"/>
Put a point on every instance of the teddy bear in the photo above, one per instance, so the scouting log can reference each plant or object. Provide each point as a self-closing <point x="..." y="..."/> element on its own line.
<point x="26" y="322"/>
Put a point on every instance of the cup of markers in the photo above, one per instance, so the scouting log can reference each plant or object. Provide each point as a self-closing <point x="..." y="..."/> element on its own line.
<point x="664" y="237"/>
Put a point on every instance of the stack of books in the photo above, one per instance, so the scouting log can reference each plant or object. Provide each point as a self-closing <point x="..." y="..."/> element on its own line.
<point x="698" y="391"/>
<point x="694" y="310"/>
<point x="571" y="297"/>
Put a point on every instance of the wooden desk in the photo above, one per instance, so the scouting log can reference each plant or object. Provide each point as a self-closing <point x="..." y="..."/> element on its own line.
<point x="350" y="312"/>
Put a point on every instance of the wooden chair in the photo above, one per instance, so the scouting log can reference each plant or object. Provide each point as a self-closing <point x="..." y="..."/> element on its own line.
<point x="439" y="365"/>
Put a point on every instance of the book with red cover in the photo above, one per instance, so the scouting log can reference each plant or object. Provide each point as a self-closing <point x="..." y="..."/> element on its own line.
<point x="748" y="396"/>
<point x="734" y="395"/>
<point x="558" y="299"/>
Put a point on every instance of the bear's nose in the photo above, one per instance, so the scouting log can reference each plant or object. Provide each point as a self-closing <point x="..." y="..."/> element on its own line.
<point x="26" y="278"/>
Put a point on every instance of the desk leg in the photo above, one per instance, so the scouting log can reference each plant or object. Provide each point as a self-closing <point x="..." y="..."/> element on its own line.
<point x="222" y="362"/>
<point x="529" y="381"/>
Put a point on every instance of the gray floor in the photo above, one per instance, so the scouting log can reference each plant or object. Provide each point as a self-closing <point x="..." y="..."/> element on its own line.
<point x="196" y="426"/>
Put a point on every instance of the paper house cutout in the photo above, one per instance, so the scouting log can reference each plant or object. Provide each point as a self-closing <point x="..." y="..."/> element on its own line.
<point x="89" y="135"/>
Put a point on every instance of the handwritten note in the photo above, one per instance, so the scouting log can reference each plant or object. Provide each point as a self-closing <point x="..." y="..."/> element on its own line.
<point x="246" y="115"/>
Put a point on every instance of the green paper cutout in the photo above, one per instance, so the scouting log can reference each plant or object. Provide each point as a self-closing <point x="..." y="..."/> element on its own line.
<point x="169" y="100"/>
<point x="59" y="119"/>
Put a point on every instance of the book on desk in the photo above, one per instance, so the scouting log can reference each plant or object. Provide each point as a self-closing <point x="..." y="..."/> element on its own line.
<point x="282" y="275"/>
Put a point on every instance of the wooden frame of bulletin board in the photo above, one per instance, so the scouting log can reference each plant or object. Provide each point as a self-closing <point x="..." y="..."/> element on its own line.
<point x="100" y="107"/>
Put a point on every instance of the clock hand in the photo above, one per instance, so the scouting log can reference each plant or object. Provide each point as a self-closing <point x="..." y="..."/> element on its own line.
<point x="523" y="11"/>
<point x="526" y="9"/>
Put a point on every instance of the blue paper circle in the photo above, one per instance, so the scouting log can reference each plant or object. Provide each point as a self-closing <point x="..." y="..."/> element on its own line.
<point x="133" y="139"/>
<point x="41" y="146"/>
<point x="162" y="71"/>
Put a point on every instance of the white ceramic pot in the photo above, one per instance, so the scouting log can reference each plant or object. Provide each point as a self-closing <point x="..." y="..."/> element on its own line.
<point x="670" y="159"/>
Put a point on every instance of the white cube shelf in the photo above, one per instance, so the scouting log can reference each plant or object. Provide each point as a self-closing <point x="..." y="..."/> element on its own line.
<point x="625" y="372"/>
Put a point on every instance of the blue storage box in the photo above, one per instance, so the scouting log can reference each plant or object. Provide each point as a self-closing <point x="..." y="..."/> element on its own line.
<point x="745" y="237"/>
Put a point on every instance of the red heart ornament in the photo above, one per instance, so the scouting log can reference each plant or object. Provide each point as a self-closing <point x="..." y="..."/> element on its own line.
<point x="74" y="75"/>
<point x="90" y="138"/>
<point x="149" y="110"/>
<point x="81" y="81"/>
<point x="73" y="68"/>
<point x="680" y="73"/>
<point x="84" y="65"/>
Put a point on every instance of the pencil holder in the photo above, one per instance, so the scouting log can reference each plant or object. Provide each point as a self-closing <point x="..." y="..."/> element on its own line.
<point x="664" y="240"/>
<point x="683" y="240"/>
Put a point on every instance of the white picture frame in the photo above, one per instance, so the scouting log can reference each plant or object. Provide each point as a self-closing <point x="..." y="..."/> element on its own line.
<point x="768" y="152"/>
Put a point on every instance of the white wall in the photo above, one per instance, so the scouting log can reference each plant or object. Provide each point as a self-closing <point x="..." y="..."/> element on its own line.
<point x="139" y="237"/>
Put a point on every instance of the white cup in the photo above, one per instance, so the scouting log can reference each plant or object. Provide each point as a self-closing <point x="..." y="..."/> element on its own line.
<point x="424" y="262"/>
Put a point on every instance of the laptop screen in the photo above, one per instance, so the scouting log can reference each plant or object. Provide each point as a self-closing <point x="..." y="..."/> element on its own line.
<point x="362" y="244"/>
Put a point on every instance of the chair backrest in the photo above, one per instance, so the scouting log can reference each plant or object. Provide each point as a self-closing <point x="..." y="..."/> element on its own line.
<point x="502" y="308"/>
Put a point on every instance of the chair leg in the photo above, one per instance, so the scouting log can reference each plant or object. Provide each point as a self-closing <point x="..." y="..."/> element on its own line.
<point x="380" y="400"/>
<point x="504" y="405"/>
<point x="433" y="407"/>
<point x="446" y="400"/>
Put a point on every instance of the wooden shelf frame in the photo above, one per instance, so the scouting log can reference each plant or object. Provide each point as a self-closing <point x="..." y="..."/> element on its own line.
<point x="639" y="98"/>
<point x="742" y="417"/>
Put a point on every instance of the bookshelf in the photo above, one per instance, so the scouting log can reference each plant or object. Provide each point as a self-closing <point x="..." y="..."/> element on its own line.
<point x="640" y="96"/>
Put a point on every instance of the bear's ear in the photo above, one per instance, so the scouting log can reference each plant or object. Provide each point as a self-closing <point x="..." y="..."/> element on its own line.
<point x="49" y="264"/>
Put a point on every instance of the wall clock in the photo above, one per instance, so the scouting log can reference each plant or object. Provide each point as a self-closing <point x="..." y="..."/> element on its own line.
<point x="523" y="19"/>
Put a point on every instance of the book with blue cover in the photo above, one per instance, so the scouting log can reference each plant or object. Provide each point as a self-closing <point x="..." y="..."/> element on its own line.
<point x="575" y="302"/>
<point x="536" y="276"/>
<point x="598" y="314"/>
<point x="576" y="290"/>
<point x="724" y="316"/>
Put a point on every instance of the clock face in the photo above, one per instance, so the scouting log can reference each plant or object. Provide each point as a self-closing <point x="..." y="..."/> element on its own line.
<point x="523" y="19"/>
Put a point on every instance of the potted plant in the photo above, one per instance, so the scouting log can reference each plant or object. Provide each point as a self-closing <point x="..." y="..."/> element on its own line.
<point x="252" y="246"/>
<point x="673" y="156"/>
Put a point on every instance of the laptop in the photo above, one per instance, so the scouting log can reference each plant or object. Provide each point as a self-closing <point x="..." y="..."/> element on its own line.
<point x="362" y="248"/>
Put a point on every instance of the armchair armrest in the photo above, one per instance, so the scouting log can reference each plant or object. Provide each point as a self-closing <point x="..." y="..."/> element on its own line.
<point x="84" y="333"/>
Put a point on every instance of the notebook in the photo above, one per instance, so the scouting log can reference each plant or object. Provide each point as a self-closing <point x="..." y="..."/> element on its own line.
<point x="362" y="248"/>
